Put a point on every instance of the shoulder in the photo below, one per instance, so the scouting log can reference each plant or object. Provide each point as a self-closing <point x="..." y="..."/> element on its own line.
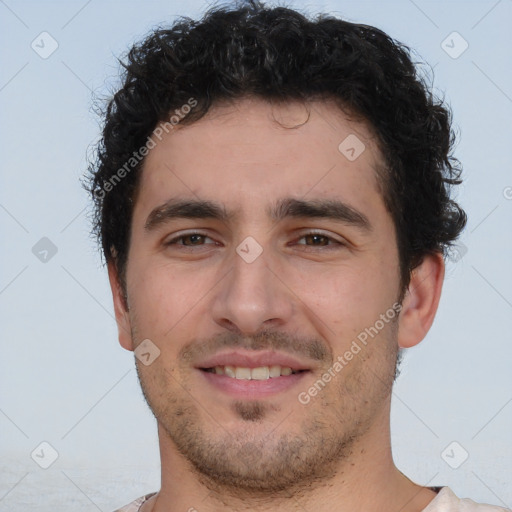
<point x="447" y="501"/>
<point x="134" y="506"/>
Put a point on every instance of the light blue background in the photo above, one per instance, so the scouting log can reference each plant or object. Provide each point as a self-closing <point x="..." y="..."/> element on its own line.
<point x="64" y="378"/>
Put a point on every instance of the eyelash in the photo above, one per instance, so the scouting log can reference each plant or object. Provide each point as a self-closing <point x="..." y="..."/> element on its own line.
<point x="331" y="242"/>
<point x="175" y="240"/>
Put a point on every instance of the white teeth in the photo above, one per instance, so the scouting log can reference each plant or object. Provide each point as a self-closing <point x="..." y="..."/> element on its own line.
<point x="275" y="371"/>
<point x="243" y="373"/>
<point x="260" y="373"/>
<point x="229" y="371"/>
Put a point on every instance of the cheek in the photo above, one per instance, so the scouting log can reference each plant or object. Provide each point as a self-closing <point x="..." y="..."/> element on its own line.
<point x="167" y="300"/>
<point x="156" y="301"/>
<point x="343" y="301"/>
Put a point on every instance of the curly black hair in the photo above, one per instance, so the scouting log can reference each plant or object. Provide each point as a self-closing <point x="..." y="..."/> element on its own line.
<point x="279" y="54"/>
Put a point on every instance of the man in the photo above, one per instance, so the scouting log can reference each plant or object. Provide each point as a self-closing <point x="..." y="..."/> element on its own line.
<point x="273" y="202"/>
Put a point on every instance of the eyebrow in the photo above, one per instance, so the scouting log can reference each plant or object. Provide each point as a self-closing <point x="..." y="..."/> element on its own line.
<point x="285" y="208"/>
<point x="185" y="209"/>
<point x="331" y="209"/>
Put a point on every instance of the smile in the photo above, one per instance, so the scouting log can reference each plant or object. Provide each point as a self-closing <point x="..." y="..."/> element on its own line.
<point x="246" y="373"/>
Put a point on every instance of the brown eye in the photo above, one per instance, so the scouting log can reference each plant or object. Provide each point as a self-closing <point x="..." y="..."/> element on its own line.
<point x="193" y="239"/>
<point x="316" y="240"/>
<point x="190" y="240"/>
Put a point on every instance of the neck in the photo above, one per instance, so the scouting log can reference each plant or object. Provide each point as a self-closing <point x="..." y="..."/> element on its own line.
<point x="365" y="480"/>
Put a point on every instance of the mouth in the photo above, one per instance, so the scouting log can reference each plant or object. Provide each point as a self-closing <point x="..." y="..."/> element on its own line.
<point x="252" y="375"/>
<point x="258" y="373"/>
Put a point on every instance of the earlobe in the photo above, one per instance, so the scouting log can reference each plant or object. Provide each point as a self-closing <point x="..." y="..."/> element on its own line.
<point x="421" y="300"/>
<point x="120" y="308"/>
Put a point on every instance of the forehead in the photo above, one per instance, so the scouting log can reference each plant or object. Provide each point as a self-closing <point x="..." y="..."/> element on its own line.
<point x="250" y="151"/>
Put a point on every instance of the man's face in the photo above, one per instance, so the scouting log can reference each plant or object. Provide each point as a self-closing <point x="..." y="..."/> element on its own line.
<point x="259" y="244"/>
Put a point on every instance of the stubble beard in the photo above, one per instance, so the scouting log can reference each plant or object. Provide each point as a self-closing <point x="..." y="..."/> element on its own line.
<point x="257" y="460"/>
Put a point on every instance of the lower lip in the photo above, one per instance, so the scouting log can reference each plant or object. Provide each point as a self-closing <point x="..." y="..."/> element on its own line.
<point x="244" y="388"/>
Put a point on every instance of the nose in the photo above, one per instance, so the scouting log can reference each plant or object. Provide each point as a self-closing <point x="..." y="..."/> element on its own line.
<point x="251" y="298"/>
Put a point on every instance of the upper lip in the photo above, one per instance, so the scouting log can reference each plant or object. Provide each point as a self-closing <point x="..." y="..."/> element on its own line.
<point x="252" y="359"/>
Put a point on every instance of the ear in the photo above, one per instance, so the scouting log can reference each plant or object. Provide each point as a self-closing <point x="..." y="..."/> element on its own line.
<point x="421" y="300"/>
<point x="120" y="308"/>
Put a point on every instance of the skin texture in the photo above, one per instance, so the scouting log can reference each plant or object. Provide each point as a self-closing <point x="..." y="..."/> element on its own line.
<point x="304" y="295"/>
